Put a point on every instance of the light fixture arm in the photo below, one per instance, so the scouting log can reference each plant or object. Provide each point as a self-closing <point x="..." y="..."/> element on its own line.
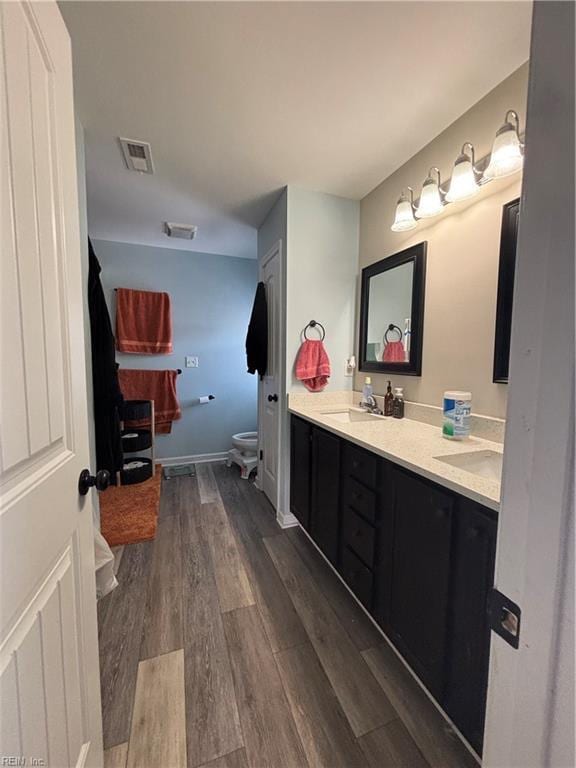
<point x="411" y="197"/>
<point x="468" y="149"/>
<point x="514" y="116"/>
<point x="436" y="170"/>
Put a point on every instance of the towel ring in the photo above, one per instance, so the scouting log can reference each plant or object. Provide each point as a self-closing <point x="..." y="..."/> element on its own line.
<point x="314" y="324"/>
<point x="393" y="327"/>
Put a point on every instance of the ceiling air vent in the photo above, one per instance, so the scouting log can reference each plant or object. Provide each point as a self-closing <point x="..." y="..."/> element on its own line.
<point x="183" y="231"/>
<point x="137" y="154"/>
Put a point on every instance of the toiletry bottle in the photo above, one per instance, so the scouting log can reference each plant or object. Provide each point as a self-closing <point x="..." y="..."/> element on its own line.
<point x="398" y="404"/>
<point x="388" y="401"/>
<point x="367" y="390"/>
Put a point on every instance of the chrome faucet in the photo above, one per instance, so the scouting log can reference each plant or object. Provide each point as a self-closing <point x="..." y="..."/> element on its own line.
<point x="370" y="405"/>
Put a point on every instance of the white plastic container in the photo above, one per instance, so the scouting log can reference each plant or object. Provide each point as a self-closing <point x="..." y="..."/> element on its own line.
<point x="456" y="420"/>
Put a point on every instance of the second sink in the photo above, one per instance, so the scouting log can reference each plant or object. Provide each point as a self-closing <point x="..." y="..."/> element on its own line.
<point x="486" y="464"/>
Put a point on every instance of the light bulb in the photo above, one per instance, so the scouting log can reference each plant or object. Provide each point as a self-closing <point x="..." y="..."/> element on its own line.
<point x="463" y="183"/>
<point x="506" y="157"/>
<point x="430" y="200"/>
<point x="404" y="219"/>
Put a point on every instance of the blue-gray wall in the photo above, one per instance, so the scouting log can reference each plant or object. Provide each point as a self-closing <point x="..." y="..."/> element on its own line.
<point x="211" y="303"/>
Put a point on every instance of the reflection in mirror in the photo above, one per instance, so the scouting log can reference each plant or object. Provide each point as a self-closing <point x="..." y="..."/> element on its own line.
<point x="391" y="314"/>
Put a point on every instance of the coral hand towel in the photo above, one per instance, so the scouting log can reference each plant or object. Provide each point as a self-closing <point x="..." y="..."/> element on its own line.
<point x="143" y="322"/>
<point x="394" y="352"/>
<point x="159" y="386"/>
<point x="313" y="365"/>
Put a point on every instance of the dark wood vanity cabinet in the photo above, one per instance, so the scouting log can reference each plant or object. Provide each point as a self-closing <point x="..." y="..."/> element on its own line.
<point x="314" y="484"/>
<point x="421" y="563"/>
<point x="325" y="492"/>
<point x="300" y="470"/>
<point x="419" y="557"/>
<point x="469" y="629"/>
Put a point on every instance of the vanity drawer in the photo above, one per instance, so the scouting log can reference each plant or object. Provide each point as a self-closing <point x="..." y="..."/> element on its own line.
<point x="359" y="578"/>
<point x="360" y="464"/>
<point x="359" y="535"/>
<point x="361" y="499"/>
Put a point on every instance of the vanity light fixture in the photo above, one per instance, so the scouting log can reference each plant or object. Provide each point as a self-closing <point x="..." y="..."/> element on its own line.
<point x="404" y="219"/>
<point x="506" y="158"/>
<point x="431" y="203"/>
<point x="463" y="183"/>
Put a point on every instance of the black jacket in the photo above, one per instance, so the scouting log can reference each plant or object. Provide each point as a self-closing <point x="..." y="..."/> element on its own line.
<point x="257" y="338"/>
<point x="106" y="390"/>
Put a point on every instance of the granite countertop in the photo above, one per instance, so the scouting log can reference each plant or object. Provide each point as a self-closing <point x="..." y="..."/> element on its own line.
<point x="411" y="444"/>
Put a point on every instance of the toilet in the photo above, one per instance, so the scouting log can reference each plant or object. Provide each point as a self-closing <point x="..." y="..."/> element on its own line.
<point x="246" y="443"/>
<point x="244" y="453"/>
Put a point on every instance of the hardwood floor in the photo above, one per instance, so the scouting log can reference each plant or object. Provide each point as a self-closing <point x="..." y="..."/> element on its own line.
<point x="230" y="643"/>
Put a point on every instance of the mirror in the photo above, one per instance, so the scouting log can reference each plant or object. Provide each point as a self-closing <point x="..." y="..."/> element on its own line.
<point x="506" y="270"/>
<point x="392" y="313"/>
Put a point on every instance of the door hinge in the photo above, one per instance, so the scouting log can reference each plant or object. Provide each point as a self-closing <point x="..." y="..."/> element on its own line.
<point x="504" y="617"/>
<point x="261" y="455"/>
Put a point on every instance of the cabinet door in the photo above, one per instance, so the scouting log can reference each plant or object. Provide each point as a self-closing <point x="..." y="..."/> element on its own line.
<point x="420" y="576"/>
<point x="324" y="513"/>
<point x="469" y="641"/>
<point x="300" y="468"/>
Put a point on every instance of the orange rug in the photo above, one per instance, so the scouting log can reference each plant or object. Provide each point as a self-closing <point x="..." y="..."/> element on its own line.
<point x="129" y="513"/>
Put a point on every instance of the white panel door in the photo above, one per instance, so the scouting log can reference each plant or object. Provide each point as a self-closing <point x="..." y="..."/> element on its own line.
<point x="270" y="406"/>
<point x="49" y="680"/>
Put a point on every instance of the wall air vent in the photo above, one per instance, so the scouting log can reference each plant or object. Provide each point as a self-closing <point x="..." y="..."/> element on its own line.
<point x="137" y="154"/>
<point x="183" y="231"/>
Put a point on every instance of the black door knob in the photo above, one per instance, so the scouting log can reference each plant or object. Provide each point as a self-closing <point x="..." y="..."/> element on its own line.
<point x="100" y="481"/>
<point x="272" y="398"/>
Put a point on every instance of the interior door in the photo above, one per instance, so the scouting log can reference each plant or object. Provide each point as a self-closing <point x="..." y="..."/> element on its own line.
<point x="270" y="390"/>
<point x="49" y="678"/>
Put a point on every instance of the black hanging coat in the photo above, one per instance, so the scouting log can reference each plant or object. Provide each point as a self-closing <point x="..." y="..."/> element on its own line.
<point x="257" y="338"/>
<point x="106" y="390"/>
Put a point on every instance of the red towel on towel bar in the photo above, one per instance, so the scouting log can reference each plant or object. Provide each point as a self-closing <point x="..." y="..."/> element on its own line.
<point x="313" y="365"/>
<point x="143" y="322"/>
<point x="159" y="386"/>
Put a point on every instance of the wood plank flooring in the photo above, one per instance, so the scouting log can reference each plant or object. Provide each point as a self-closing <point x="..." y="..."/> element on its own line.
<point x="230" y="643"/>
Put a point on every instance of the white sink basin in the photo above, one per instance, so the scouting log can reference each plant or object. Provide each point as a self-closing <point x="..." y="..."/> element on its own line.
<point x="486" y="464"/>
<point x="350" y="415"/>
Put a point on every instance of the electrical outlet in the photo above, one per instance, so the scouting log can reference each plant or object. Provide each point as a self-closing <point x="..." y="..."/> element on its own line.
<point x="191" y="362"/>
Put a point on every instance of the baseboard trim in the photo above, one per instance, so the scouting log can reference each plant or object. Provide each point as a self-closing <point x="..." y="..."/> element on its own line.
<point x="198" y="458"/>
<point x="286" y="519"/>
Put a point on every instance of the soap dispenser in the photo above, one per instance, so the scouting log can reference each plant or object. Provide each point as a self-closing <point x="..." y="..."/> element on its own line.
<point x="398" y="404"/>
<point x="367" y="391"/>
<point x="388" y="401"/>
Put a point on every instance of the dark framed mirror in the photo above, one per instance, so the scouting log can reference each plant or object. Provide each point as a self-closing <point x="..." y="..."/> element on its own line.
<point x="392" y="313"/>
<point x="506" y="270"/>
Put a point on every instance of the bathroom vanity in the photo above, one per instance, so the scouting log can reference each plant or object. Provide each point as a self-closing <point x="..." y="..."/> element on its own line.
<point x="411" y="538"/>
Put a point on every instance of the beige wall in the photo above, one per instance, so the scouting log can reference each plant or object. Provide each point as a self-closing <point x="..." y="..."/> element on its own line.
<point x="462" y="261"/>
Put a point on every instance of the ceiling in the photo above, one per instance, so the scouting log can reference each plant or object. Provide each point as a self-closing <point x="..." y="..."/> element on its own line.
<point x="239" y="99"/>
